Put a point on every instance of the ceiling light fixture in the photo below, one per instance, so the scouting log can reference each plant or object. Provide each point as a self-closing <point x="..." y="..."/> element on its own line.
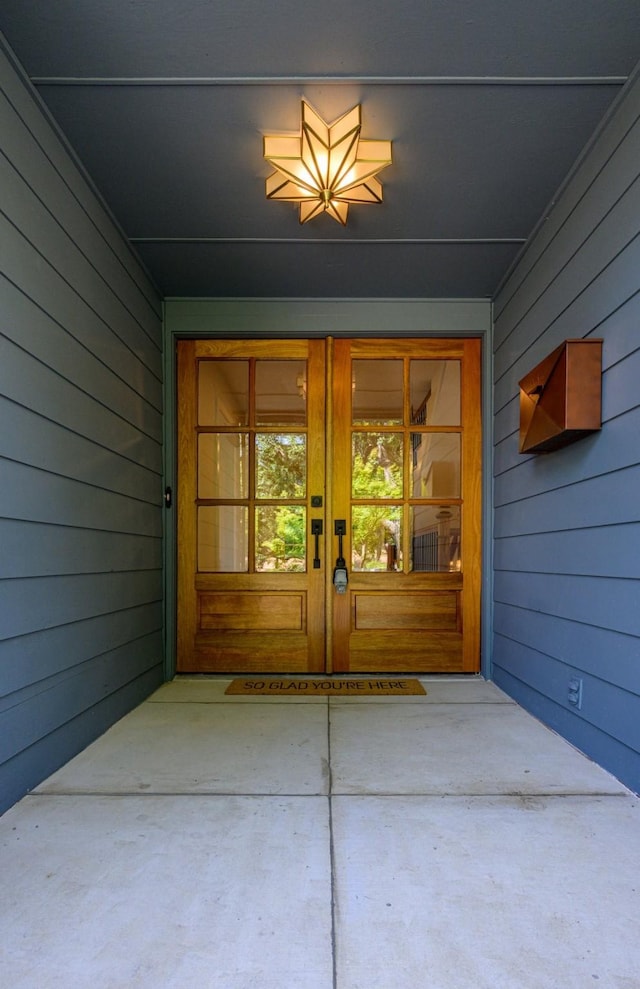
<point x="326" y="167"/>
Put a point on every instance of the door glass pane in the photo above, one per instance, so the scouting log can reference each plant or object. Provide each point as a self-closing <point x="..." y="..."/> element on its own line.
<point x="377" y="465"/>
<point x="281" y="465"/>
<point x="435" y="538"/>
<point x="377" y="392"/>
<point x="376" y="537"/>
<point x="435" y="393"/>
<point x="223" y="465"/>
<point x="223" y="540"/>
<point x="281" y="393"/>
<point x="435" y="465"/>
<point x="281" y="538"/>
<point x="223" y="393"/>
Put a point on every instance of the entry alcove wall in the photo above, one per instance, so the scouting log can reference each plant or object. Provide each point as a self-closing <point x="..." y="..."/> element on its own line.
<point x="567" y="525"/>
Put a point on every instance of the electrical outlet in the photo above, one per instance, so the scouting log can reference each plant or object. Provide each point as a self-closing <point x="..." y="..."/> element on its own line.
<point x="574" y="693"/>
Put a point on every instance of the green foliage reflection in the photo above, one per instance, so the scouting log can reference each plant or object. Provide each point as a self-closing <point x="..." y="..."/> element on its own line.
<point x="280" y="538"/>
<point x="376" y="537"/>
<point x="377" y="465"/>
<point x="281" y="465"/>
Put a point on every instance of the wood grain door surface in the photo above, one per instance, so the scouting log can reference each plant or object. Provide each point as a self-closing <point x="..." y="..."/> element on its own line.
<point x="280" y="438"/>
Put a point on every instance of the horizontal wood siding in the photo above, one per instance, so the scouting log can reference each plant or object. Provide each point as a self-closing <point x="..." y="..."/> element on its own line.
<point x="81" y="462"/>
<point x="567" y="524"/>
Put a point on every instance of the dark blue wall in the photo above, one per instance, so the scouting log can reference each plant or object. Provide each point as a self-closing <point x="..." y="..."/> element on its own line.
<point x="567" y="524"/>
<point x="80" y="456"/>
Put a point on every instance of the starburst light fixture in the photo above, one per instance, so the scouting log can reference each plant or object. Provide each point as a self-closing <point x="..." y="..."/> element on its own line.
<point x="327" y="167"/>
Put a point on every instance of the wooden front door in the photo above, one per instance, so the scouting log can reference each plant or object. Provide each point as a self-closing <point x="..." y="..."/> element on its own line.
<point x="297" y="458"/>
<point x="406" y="468"/>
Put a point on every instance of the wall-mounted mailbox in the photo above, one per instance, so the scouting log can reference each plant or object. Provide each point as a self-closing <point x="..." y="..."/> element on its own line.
<point x="561" y="399"/>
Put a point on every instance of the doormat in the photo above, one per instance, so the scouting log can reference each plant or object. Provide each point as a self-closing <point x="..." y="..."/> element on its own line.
<point x="325" y="687"/>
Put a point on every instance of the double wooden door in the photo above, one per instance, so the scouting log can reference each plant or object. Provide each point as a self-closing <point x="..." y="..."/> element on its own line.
<point x="302" y="463"/>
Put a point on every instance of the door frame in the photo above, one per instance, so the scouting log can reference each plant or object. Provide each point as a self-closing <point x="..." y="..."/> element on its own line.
<point x="272" y="318"/>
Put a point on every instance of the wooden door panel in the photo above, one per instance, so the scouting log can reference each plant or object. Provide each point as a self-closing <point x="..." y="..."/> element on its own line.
<point x="422" y="611"/>
<point x="398" y="614"/>
<point x="406" y="652"/>
<point x="252" y="610"/>
<point x="246" y="651"/>
<point x="241" y="608"/>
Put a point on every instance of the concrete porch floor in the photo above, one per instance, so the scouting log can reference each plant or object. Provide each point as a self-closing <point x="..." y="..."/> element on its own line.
<point x="448" y="841"/>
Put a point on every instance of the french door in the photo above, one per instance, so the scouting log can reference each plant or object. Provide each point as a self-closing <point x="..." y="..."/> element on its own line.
<point x="329" y="506"/>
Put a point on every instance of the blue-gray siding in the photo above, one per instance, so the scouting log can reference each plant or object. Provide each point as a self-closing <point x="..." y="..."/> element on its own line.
<point x="81" y="639"/>
<point x="567" y="524"/>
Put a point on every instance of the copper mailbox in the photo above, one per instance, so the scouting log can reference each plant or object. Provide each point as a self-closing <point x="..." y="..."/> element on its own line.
<point x="560" y="399"/>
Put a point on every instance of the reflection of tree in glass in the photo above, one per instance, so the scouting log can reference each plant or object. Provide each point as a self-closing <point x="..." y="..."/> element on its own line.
<point x="281" y="465"/>
<point x="377" y="465"/>
<point x="374" y="527"/>
<point x="280" y="538"/>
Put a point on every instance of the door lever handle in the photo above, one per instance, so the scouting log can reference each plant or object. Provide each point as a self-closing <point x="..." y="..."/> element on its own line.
<point x="316" y="530"/>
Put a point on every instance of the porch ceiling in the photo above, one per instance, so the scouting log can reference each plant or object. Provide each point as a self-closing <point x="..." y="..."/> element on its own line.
<point x="488" y="104"/>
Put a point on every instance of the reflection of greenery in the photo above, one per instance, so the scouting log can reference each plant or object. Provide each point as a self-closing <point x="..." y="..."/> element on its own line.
<point x="281" y="465"/>
<point x="377" y="465"/>
<point x="290" y="529"/>
<point x="281" y="472"/>
<point x="280" y="538"/>
<point x="373" y="527"/>
<point x="376" y="473"/>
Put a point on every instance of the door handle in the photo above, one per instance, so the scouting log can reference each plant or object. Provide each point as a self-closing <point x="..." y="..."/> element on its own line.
<point x="316" y="530"/>
<point x="340" y="572"/>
